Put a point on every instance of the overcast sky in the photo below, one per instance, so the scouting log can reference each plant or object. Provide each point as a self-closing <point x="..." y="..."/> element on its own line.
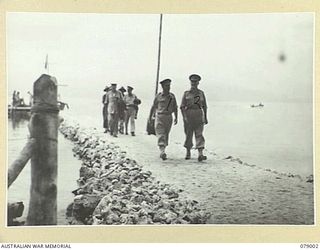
<point x="236" y="55"/>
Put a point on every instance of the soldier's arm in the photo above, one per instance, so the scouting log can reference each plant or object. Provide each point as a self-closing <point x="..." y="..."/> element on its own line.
<point x="106" y="100"/>
<point x="175" y="110"/>
<point x="204" y="106"/>
<point x="183" y="106"/>
<point x="121" y="96"/>
<point x="152" y="110"/>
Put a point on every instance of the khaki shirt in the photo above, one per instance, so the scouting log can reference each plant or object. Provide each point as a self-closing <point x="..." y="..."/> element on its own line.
<point x="113" y="100"/>
<point x="129" y="99"/>
<point x="193" y="99"/>
<point x="165" y="104"/>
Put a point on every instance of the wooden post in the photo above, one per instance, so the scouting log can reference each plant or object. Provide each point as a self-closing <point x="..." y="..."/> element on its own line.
<point x="14" y="210"/>
<point x="17" y="166"/>
<point x="44" y="128"/>
<point x="159" y="54"/>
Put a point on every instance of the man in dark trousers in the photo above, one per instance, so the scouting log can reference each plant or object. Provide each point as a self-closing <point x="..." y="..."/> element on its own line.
<point x="105" y="110"/>
<point x="122" y="109"/>
<point x="194" y="112"/>
<point x="163" y="106"/>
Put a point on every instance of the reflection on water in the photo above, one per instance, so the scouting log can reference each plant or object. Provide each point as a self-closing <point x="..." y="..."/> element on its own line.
<point x="68" y="168"/>
<point x="18" y="118"/>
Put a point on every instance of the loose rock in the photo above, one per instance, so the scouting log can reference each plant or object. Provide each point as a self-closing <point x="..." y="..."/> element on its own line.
<point x="114" y="189"/>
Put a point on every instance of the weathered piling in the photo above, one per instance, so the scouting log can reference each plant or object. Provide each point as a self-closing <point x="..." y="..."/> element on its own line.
<point x="15" y="210"/>
<point x="17" y="166"/>
<point x="44" y="129"/>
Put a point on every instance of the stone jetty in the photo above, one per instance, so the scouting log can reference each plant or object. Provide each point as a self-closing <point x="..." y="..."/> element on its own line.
<point x="114" y="189"/>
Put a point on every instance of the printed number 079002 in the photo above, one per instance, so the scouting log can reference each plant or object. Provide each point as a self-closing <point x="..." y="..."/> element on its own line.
<point x="309" y="246"/>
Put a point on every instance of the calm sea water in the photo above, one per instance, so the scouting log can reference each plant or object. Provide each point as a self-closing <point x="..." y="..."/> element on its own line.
<point x="68" y="170"/>
<point x="278" y="136"/>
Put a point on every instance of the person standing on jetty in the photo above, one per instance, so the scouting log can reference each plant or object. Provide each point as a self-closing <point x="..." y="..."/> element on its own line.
<point x="163" y="106"/>
<point x="122" y="109"/>
<point x="14" y="102"/>
<point x="105" y="110"/>
<point x="194" y="111"/>
<point x="131" y="110"/>
<point x="113" y="99"/>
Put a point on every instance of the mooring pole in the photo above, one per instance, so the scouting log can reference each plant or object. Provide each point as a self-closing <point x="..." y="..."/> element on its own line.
<point x="44" y="129"/>
<point x="159" y="54"/>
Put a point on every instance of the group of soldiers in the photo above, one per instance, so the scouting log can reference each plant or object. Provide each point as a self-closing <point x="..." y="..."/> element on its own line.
<point x="118" y="109"/>
<point x="194" y="112"/>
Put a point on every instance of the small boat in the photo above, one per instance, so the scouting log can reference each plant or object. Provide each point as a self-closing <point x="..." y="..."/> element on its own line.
<point x="260" y="105"/>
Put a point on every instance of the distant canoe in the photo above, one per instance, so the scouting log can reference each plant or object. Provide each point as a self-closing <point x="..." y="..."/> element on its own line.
<point x="260" y="105"/>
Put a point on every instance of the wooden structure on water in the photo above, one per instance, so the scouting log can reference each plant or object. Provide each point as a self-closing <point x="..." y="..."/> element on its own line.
<point x="41" y="148"/>
<point x="19" y="109"/>
<point x="19" y="112"/>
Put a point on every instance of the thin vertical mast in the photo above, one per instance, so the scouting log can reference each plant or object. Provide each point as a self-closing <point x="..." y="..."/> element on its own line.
<point x="46" y="64"/>
<point x="159" y="53"/>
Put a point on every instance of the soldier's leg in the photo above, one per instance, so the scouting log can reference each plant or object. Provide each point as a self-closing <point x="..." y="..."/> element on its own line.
<point x="200" y="141"/>
<point x="121" y="125"/>
<point x="105" y="118"/>
<point x="132" y="122"/>
<point x="199" y="137"/>
<point x="189" y="134"/>
<point x="160" y="131"/>
<point x="161" y="135"/>
<point x="116" y="124"/>
<point x="111" y="123"/>
<point x="126" y="121"/>
<point x="168" y="125"/>
<point x="137" y="109"/>
<point x="107" y="121"/>
<point x="188" y="142"/>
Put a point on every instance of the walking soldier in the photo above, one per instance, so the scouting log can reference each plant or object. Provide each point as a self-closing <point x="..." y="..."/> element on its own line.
<point x="163" y="106"/>
<point x="113" y="100"/>
<point x="122" y="109"/>
<point x="194" y="112"/>
<point x="131" y="110"/>
<point x="105" y="110"/>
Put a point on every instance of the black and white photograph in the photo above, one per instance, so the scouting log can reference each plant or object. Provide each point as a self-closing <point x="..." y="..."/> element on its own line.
<point x="160" y="119"/>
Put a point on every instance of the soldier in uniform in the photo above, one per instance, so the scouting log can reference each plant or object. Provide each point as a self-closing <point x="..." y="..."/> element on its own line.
<point x="194" y="112"/>
<point x="122" y="108"/>
<point x="163" y="106"/>
<point x="131" y="110"/>
<point x="113" y="99"/>
<point x="105" y="111"/>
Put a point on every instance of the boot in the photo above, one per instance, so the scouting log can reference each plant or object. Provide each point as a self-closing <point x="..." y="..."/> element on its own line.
<point x="201" y="157"/>
<point x="163" y="154"/>
<point x="188" y="154"/>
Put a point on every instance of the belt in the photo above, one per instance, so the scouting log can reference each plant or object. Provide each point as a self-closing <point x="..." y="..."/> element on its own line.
<point x="193" y="108"/>
<point x="163" y="113"/>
